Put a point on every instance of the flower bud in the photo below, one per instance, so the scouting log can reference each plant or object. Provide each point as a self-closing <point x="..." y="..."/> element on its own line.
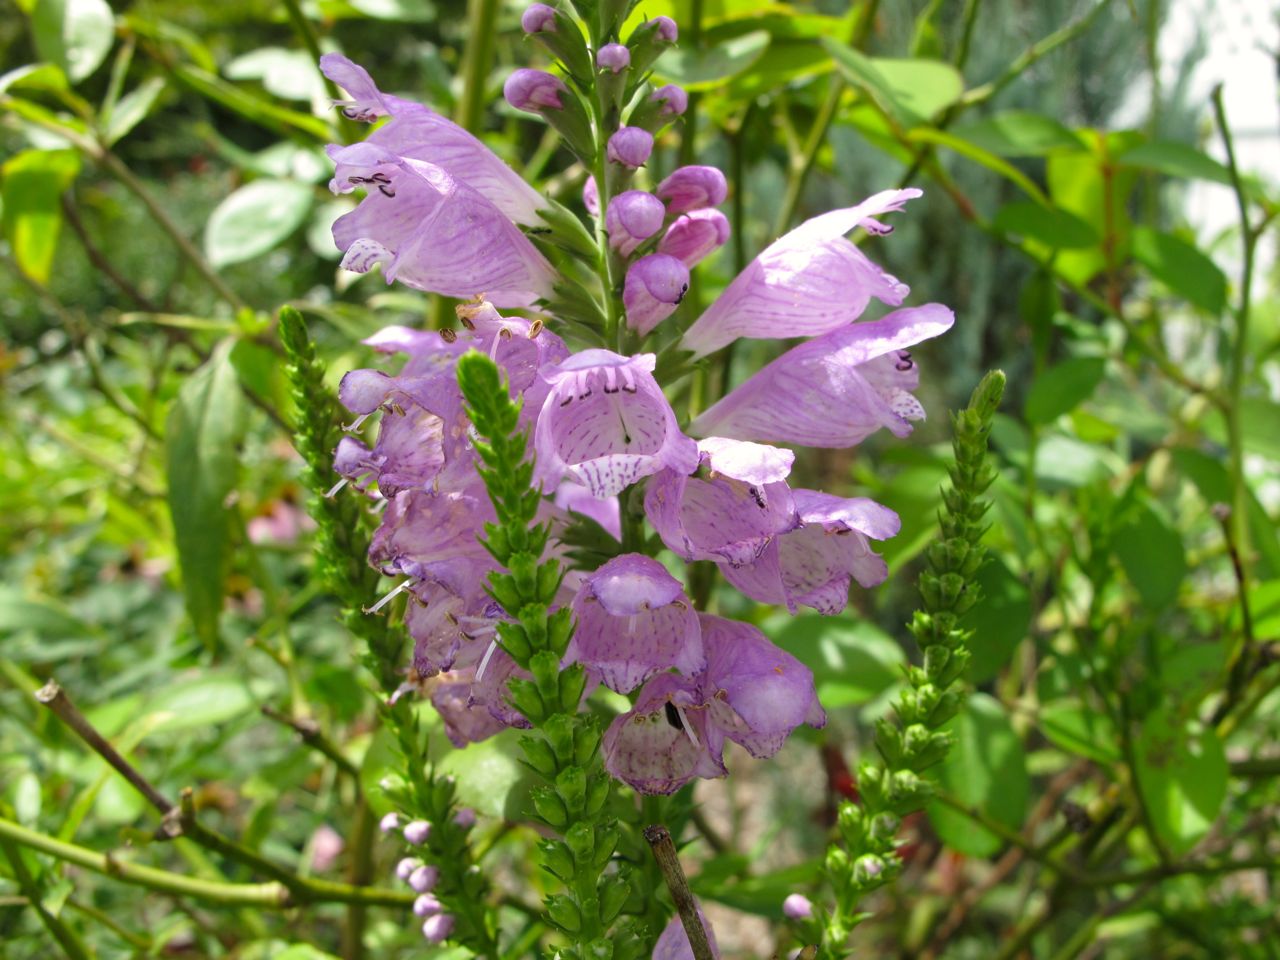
<point x="632" y="218"/>
<point x="417" y="832"/>
<point x="631" y="147"/>
<point x="591" y="197"/>
<point x="672" y="100"/>
<point x="692" y="188"/>
<point x="465" y="818"/>
<point x="654" y="287"/>
<point x="649" y="40"/>
<point x="537" y="18"/>
<point x="390" y="822"/>
<point x="424" y="879"/>
<point x="797" y="907"/>
<point x="533" y="90"/>
<point x="438" y="928"/>
<point x="407" y="866"/>
<point x="613" y="57"/>
<point x="427" y="906"/>
<point x="695" y="236"/>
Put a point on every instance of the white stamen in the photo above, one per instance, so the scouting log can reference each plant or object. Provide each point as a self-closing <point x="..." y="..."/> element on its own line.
<point x="631" y="623"/>
<point x="391" y="595"/>
<point x="484" y="661"/>
<point x="333" y="491"/>
<point x="684" y="722"/>
<point x="354" y="425"/>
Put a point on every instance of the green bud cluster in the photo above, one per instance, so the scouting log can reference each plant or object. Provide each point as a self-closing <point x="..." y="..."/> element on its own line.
<point x="564" y="749"/>
<point x="912" y="739"/>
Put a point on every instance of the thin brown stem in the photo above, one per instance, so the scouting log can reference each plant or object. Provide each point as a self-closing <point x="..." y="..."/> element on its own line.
<point x="72" y="215"/>
<point x="664" y="851"/>
<point x="314" y="737"/>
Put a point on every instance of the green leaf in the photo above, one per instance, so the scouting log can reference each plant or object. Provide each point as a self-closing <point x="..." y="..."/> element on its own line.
<point x="852" y="660"/>
<point x="1062" y="388"/>
<point x="202" y="438"/>
<point x="490" y="776"/>
<point x="1056" y="229"/>
<point x="909" y="90"/>
<point x="133" y="108"/>
<point x="1081" y="730"/>
<point x="1182" y="776"/>
<point x="1151" y="552"/>
<point x="1175" y="160"/>
<point x="252" y="107"/>
<point x="74" y="34"/>
<point x="982" y="157"/>
<point x="1182" y="268"/>
<point x="999" y="621"/>
<point x="986" y="769"/>
<point x="302" y="951"/>
<point x="255" y="219"/>
<point x="1260" y="424"/>
<point x="707" y="68"/>
<point x="49" y="621"/>
<point x="208" y="700"/>
<point x="287" y="74"/>
<point x="35" y="76"/>
<point x="404" y="11"/>
<point x="34" y="181"/>
<point x="1018" y="133"/>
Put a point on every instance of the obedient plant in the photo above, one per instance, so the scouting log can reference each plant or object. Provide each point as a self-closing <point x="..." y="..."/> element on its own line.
<point x="501" y="442"/>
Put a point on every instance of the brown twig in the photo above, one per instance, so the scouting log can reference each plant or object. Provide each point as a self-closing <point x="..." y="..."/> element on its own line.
<point x="99" y="259"/>
<point x="314" y="737"/>
<point x="664" y="851"/>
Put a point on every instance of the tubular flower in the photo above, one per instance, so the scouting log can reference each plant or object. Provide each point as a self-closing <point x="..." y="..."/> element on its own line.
<point x="733" y="514"/>
<point x="808" y="282"/>
<point x="578" y="499"/>
<point x="836" y="389"/>
<point x="695" y="235"/>
<point x="653" y="289"/>
<point x="419" y="133"/>
<point x="815" y="564"/>
<point x="464" y="722"/>
<point x="606" y="424"/>
<point x="432" y="231"/>
<point x="634" y="621"/>
<point x="432" y="537"/>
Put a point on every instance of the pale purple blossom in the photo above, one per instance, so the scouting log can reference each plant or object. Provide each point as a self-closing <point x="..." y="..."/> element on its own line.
<point x="664" y="29"/>
<point x="633" y="621"/>
<point x="534" y="90"/>
<point x="591" y="197"/>
<point x="613" y="57"/>
<point x="673" y="100"/>
<point x="464" y="722"/>
<point x="605" y="511"/>
<point x="808" y="282"/>
<point x="416" y="832"/>
<point x="797" y="907"/>
<point x="438" y="928"/>
<point x="606" y="423"/>
<point x="632" y="218"/>
<point x="630" y="147"/>
<point x="406" y="866"/>
<point x="424" y="879"/>
<point x="389" y="822"/>
<point x="654" y="286"/>
<point x="538" y="17"/>
<point x="836" y="389"/>
<point x="326" y="847"/>
<point x="692" y="188"/>
<point x="465" y="818"/>
<point x="426" y="905"/>
<point x="695" y="235"/>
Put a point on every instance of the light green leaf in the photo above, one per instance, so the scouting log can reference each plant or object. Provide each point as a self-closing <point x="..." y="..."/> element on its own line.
<point x="909" y="90"/>
<point x="33" y="184"/>
<point x="1081" y="730"/>
<point x="707" y="68"/>
<point x="202" y="438"/>
<point x="204" y="702"/>
<point x="1018" y="133"/>
<point x="404" y="11"/>
<point x="986" y="769"/>
<point x="1064" y="387"/>
<point x="999" y="621"/>
<point x="34" y="76"/>
<point x="982" y="157"/>
<point x="852" y="660"/>
<point x="133" y="108"/>
<point x="1175" y="160"/>
<point x="74" y="34"/>
<point x="1182" y="775"/>
<point x="1151" y="552"/>
<point x="288" y="74"/>
<point x="255" y="219"/>
<point x="1056" y="229"/>
<point x="490" y="777"/>
<point x="1182" y="268"/>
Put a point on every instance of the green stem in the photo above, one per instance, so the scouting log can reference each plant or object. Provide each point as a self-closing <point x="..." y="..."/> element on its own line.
<point x="481" y="18"/>
<point x="65" y="936"/>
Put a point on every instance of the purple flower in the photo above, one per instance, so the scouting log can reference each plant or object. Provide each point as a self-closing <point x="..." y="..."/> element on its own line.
<point x="674" y="942"/>
<point x="751" y="692"/>
<point x="426" y="905"/>
<point x="464" y="722"/>
<point x="695" y="235"/>
<point x="432" y="537"/>
<point x="534" y="90"/>
<point x="606" y="423"/>
<point x="424" y="879"/>
<point x="733" y="514"/>
<point x="835" y="389"/>
<point x="406" y="866"/>
<point x="389" y="822"/>
<point x="438" y="928"/>
<point x="416" y="832"/>
<point x="808" y="282"/>
<point x="418" y="133"/>
<point x="613" y="57"/>
<point x="692" y="188"/>
<point x="451" y="629"/>
<point x="630" y="147"/>
<point x="632" y="218"/>
<point x="674" y="101"/>
<point x="604" y="511"/>
<point x="664" y="29"/>
<point x="432" y="231"/>
<point x="538" y="17"/>
<point x="465" y="818"/>
<point x="654" y="287"/>
<point x="591" y="197"/>
<point x="634" y="621"/>
<point x="814" y="564"/>
<point x="797" y="907"/>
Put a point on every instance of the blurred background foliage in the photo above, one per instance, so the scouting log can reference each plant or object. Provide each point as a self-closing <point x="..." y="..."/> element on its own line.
<point x="1113" y="788"/>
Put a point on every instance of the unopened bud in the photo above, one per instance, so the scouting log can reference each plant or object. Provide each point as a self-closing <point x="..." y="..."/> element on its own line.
<point x="632" y="218"/>
<point x="613" y="57"/>
<point x="672" y="100"/>
<point x="427" y="906"/>
<point x="424" y="879"/>
<point x="533" y="90"/>
<point x="692" y="188"/>
<point x="654" y="287"/>
<point x="630" y="147"/>
<point x="390" y="822"/>
<point x="797" y="907"/>
<point x="438" y="928"/>
<point x="406" y="866"/>
<point x="538" y="17"/>
<point x="417" y="831"/>
<point x="695" y="235"/>
<point x="466" y="817"/>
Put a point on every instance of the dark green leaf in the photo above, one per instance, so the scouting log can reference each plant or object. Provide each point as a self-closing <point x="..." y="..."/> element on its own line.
<point x="1151" y="552"/>
<point x="1182" y="774"/>
<point x="1175" y="160"/>
<point x="999" y="621"/>
<point x="1078" y="729"/>
<point x="910" y="91"/>
<point x="490" y="776"/>
<point x="1056" y="229"/>
<point x="1064" y="387"/>
<point x="852" y="660"/>
<point x="705" y="69"/>
<point x="1182" y="268"/>
<point x="1017" y="133"/>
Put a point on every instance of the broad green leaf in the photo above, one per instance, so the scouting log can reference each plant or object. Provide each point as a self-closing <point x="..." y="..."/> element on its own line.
<point x="1175" y="160"/>
<point x="490" y="776"/>
<point x="1018" y="133"/>
<point x="761" y="895"/>
<point x="1182" y="268"/>
<point x="1260" y="422"/>
<point x="852" y="660"/>
<point x="74" y="34"/>
<point x="1084" y="731"/>
<point x="202" y="439"/>
<point x="302" y="951"/>
<point x="133" y="108"/>
<point x="34" y="76"/>
<point x="404" y="11"/>
<point x="33" y="184"/>
<point x="1189" y="674"/>
<point x="982" y="157"/>
<point x="288" y="74"/>
<point x="986" y="769"/>
<point x="1068" y="462"/>
<point x="1209" y="474"/>
<point x="255" y="219"/>
<point x="208" y="700"/>
<point x="48" y="620"/>
<point x="911" y="91"/>
<point x="320" y="229"/>
<point x="252" y="107"/>
<point x="1077" y="184"/>
<point x="1056" y="229"/>
<point x="707" y="68"/>
<point x="1182" y="775"/>
<point x="999" y="621"/>
<point x="1064" y="387"/>
<point x="1151" y="552"/>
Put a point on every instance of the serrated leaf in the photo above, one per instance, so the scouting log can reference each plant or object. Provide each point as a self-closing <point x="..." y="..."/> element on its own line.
<point x="33" y="184"/>
<point x="202" y="439"/>
<point x="1182" y="268"/>
<point x="74" y="34"/>
<point x="255" y="219"/>
<point x="1063" y="387"/>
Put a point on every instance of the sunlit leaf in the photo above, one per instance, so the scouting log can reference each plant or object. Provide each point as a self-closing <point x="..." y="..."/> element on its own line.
<point x="1175" y="160"/>
<point x="133" y="108"/>
<point x="1182" y="775"/>
<point x="255" y="219"/>
<point x="33" y="184"/>
<point x="703" y="69"/>
<point x="74" y="34"/>
<point x="1182" y="268"/>
<point x="852" y="660"/>
<point x="1018" y="133"/>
